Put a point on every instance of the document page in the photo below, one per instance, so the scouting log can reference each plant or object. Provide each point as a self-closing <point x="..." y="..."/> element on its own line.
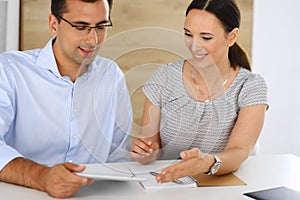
<point x="148" y="172"/>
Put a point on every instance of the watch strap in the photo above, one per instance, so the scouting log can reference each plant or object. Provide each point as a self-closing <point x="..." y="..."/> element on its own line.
<point x="215" y="167"/>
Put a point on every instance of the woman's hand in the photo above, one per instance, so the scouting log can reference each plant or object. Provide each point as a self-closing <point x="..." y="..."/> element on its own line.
<point x="144" y="150"/>
<point x="193" y="162"/>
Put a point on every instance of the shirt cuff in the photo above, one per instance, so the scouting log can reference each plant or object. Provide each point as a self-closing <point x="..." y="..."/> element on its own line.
<point x="7" y="154"/>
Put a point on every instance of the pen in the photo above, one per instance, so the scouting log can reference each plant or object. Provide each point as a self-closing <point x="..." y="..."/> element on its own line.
<point x="175" y="181"/>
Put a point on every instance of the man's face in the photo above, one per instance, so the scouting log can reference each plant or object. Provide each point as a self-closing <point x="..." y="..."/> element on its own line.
<point x="74" y="46"/>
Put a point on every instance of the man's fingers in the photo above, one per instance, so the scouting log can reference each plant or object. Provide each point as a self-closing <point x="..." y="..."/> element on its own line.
<point x="72" y="179"/>
<point x="73" y="167"/>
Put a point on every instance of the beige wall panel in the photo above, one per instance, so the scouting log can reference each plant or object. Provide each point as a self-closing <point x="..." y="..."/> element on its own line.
<point x="126" y="14"/>
<point x="131" y="47"/>
<point x="34" y="23"/>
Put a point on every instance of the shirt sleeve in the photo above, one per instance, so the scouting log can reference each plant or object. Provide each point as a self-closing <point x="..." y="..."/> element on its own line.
<point x="155" y="87"/>
<point x="7" y="153"/>
<point x="253" y="92"/>
<point x="121" y="141"/>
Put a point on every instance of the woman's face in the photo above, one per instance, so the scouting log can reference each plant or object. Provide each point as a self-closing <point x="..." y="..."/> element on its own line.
<point x="206" y="38"/>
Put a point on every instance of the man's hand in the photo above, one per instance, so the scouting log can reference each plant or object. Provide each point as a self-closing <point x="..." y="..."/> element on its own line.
<point x="59" y="181"/>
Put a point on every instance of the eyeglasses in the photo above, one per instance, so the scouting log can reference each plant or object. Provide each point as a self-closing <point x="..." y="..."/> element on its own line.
<point x="84" y="30"/>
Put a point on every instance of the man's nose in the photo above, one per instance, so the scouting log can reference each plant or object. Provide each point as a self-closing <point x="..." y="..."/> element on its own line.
<point x="93" y="36"/>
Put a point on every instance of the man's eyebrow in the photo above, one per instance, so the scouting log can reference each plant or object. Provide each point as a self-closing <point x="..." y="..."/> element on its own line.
<point x="103" y="22"/>
<point x="85" y="23"/>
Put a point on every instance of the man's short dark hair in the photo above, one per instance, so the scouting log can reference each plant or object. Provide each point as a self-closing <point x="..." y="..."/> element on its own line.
<point x="59" y="7"/>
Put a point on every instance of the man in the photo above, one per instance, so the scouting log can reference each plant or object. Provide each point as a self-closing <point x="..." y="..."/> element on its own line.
<point x="63" y="104"/>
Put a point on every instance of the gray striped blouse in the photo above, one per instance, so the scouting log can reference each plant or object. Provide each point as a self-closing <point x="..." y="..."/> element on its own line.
<point x="187" y="123"/>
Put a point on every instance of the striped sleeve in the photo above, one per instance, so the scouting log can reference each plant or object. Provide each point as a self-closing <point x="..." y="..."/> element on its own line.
<point x="155" y="86"/>
<point x="253" y="92"/>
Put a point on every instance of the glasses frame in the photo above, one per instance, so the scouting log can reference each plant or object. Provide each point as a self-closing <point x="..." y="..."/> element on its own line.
<point x="87" y="27"/>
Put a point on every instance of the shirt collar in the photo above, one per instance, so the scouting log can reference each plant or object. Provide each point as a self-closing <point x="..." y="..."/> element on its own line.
<point x="46" y="58"/>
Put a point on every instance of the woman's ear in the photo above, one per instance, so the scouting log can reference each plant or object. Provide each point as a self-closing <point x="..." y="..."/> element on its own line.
<point x="232" y="36"/>
<point x="52" y="21"/>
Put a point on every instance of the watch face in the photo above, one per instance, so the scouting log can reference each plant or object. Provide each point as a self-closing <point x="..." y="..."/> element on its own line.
<point x="215" y="167"/>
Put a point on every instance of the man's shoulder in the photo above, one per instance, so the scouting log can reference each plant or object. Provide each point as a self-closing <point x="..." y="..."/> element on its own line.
<point x="17" y="56"/>
<point x="105" y="61"/>
<point x="106" y="65"/>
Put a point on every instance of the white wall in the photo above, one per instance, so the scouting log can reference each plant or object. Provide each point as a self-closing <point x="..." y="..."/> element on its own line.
<point x="9" y="24"/>
<point x="12" y="42"/>
<point x="276" y="55"/>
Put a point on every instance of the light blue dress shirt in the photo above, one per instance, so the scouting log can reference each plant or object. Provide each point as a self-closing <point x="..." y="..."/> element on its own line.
<point x="49" y="119"/>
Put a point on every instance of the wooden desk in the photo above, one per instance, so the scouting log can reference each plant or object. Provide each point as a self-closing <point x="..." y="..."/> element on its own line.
<point x="259" y="172"/>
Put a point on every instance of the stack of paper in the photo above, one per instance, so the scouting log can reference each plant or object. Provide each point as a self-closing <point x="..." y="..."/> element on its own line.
<point x="151" y="183"/>
<point x="143" y="172"/>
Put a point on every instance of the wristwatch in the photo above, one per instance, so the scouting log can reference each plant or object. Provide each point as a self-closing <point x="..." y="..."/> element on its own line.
<point x="215" y="167"/>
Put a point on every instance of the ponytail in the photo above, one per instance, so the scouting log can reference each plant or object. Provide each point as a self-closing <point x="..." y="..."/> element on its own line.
<point x="238" y="57"/>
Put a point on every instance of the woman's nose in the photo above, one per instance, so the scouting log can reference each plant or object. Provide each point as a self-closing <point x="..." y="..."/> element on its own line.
<point x="195" y="45"/>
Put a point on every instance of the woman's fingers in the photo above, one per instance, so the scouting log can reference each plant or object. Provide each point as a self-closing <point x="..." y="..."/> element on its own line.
<point x="192" y="153"/>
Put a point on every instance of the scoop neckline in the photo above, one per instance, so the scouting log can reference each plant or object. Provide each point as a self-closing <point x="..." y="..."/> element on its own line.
<point x="203" y="102"/>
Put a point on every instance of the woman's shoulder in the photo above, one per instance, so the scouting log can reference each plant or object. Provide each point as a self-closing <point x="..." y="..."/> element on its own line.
<point x="250" y="82"/>
<point x="176" y="65"/>
<point x="252" y="89"/>
<point x="166" y="73"/>
<point x="169" y="69"/>
<point x="250" y="77"/>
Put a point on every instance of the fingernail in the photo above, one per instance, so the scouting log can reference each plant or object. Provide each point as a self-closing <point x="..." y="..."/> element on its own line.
<point x="183" y="154"/>
<point x="158" y="179"/>
<point x="84" y="180"/>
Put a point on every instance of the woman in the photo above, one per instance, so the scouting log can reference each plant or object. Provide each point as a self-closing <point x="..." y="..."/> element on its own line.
<point x="208" y="110"/>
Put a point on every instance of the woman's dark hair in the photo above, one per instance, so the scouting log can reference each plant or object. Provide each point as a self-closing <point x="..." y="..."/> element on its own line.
<point x="59" y="7"/>
<point x="228" y="13"/>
